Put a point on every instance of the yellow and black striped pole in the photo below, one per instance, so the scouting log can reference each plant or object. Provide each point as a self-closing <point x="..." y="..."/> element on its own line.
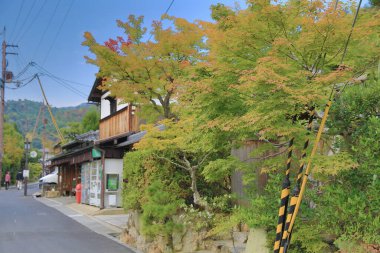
<point x="284" y="200"/>
<point x="287" y="233"/>
<point x="296" y="190"/>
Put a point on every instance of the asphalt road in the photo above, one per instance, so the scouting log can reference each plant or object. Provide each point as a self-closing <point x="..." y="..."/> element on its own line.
<point x="28" y="226"/>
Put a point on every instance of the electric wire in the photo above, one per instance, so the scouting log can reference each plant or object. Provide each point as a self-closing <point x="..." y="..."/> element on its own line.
<point x="58" y="32"/>
<point x="23" y="70"/>
<point x="25" y="20"/>
<point x="49" y="74"/>
<point x="68" y="86"/>
<point x="72" y="89"/>
<point x="36" y="123"/>
<point x="288" y="232"/>
<point x="19" y="65"/>
<point x="46" y="29"/>
<point x="352" y="29"/>
<point x="32" y="22"/>
<point x="23" y="84"/>
<point x="43" y="72"/>
<point x="28" y="70"/>
<point x="18" y="17"/>
<point x="166" y="12"/>
<point x="59" y="78"/>
<point x="50" y="112"/>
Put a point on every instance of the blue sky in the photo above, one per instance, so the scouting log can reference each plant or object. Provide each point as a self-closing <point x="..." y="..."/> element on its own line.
<point x="50" y="33"/>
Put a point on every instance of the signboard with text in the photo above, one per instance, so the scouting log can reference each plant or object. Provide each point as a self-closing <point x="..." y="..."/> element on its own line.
<point x="25" y="173"/>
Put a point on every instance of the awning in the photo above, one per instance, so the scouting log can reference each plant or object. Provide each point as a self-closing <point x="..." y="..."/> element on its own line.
<point x="74" y="157"/>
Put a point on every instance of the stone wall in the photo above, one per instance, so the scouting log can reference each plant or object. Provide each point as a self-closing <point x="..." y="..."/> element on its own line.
<point x="186" y="241"/>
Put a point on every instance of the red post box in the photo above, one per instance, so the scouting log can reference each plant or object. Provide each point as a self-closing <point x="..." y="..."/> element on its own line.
<point x="78" y="192"/>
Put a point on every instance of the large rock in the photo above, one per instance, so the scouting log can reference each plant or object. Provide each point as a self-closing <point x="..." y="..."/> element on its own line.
<point x="190" y="241"/>
<point x="125" y="237"/>
<point x="257" y="240"/>
<point x="240" y="237"/>
<point x="177" y="241"/>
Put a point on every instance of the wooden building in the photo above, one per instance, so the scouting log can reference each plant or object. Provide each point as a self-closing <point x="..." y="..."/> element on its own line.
<point x="70" y="159"/>
<point x="96" y="158"/>
<point x="118" y="122"/>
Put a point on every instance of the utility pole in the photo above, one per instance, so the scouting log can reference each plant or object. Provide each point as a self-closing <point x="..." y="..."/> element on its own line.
<point x="26" y="170"/>
<point x="3" y="69"/>
<point x="2" y="89"/>
<point x="43" y="139"/>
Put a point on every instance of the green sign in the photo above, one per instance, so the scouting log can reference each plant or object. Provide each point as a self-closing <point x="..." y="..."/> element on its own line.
<point x="112" y="182"/>
<point x="96" y="153"/>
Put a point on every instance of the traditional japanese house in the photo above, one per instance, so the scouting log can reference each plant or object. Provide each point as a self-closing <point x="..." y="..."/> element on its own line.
<point x="71" y="158"/>
<point x="118" y="122"/>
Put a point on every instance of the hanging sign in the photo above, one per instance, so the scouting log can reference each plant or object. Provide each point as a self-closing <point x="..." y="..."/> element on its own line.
<point x="25" y="173"/>
<point x="96" y="153"/>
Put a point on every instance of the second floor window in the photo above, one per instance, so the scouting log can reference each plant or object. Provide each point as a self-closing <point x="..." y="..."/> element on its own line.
<point x="113" y="105"/>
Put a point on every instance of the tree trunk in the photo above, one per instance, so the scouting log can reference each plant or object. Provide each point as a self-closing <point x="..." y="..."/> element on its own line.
<point x="197" y="197"/>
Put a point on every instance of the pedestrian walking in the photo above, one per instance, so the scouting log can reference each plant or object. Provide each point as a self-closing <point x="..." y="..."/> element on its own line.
<point x="7" y="180"/>
<point x="19" y="178"/>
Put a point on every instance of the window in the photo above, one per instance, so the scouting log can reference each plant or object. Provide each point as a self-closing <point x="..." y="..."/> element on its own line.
<point x="113" y="105"/>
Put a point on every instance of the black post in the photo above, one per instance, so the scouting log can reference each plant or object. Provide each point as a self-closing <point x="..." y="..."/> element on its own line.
<point x="27" y="143"/>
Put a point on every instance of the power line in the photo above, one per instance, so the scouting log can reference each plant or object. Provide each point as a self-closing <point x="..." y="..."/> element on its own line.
<point x="24" y="63"/>
<point x="22" y="72"/>
<point x="67" y="86"/>
<point x="18" y="16"/>
<point x="31" y="23"/>
<point x="19" y="65"/>
<point x="43" y="72"/>
<point x="288" y="232"/>
<point x="59" y="30"/>
<point x="26" y="19"/>
<point x="18" y="85"/>
<point x="47" y="27"/>
<point x="65" y="80"/>
<point x="352" y="29"/>
<point x="166" y="12"/>
<point x="58" y="80"/>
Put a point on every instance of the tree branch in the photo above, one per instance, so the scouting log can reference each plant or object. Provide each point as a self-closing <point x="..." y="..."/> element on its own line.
<point x="174" y="163"/>
<point x="265" y="157"/>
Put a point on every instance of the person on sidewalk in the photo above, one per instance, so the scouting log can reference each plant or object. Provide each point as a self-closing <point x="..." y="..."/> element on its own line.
<point x="19" y="178"/>
<point x="7" y="180"/>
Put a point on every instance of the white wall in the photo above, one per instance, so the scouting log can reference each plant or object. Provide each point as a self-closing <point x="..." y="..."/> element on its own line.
<point x="121" y="105"/>
<point x="114" y="166"/>
<point x="105" y="109"/>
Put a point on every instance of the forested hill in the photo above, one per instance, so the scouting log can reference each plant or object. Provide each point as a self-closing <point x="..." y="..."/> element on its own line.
<point x="25" y="112"/>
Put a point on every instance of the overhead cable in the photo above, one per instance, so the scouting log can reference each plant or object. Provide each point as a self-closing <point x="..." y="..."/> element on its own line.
<point x="166" y="12"/>
<point x="25" y="20"/>
<point x="46" y="29"/>
<point x="18" y="17"/>
<point x="58" y="32"/>
<point x="32" y="22"/>
<point x="57" y="80"/>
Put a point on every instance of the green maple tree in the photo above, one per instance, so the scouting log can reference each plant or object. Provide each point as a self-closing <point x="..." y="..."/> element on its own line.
<point x="148" y="73"/>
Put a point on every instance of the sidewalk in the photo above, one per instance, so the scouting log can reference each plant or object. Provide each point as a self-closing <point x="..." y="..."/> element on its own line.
<point x="107" y="222"/>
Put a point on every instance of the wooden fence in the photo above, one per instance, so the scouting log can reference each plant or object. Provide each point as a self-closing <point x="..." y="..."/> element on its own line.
<point x="123" y="121"/>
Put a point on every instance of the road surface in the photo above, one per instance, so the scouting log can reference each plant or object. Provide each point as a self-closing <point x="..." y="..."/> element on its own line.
<point x="28" y="226"/>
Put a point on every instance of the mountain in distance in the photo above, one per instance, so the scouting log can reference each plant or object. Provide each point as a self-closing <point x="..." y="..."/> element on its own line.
<point x="24" y="114"/>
